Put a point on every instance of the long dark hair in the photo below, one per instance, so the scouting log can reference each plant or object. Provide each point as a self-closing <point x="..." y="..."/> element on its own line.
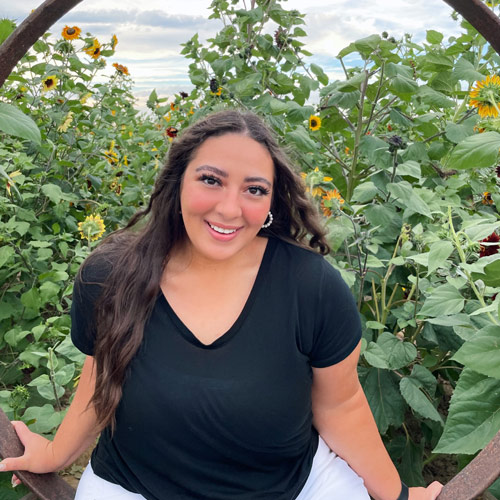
<point x="138" y="253"/>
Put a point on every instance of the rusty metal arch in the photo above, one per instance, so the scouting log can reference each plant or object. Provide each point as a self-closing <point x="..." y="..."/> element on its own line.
<point x="42" y="18"/>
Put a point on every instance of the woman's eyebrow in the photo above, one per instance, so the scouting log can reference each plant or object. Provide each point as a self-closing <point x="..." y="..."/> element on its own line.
<point x="215" y="170"/>
<point x="258" y="179"/>
<point x="223" y="173"/>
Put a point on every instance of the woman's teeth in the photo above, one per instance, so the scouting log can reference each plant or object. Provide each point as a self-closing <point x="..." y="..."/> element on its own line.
<point x="221" y="230"/>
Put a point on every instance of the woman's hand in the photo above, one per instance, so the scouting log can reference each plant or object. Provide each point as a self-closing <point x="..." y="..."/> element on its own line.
<point x="37" y="457"/>
<point x="430" y="493"/>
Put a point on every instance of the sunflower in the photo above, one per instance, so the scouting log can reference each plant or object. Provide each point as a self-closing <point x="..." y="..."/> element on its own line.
<point x="171" y="132"/>
<point x="314" y="122"/>
<point x="71" y="33"/>
<point x="487" y="200"/>
<point x="92" y="228"/>
<point x="492" y="245"/>
<point x="485" y="96"/>
<point x="85" y="98"/>
<point x="11" y="180"/>
<point x="112" y="157"/>
<point x="121" y="69"/>
<point x="67" y="122"/>
<point x="49" y="82"/>
<point x="114" y="41"/>
<point x="329" y="197"/>
<point x="94" y="50"/>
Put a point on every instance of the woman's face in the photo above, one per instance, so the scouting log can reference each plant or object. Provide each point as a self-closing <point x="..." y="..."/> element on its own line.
<point x="226" y="194"/>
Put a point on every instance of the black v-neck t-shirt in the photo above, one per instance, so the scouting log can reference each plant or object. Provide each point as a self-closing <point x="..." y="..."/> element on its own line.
<point x="231" y="420"/>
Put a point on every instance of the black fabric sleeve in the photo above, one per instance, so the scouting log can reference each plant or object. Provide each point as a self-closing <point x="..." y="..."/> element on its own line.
<point x="87" y="289"/>
<point x="337" y="323"/>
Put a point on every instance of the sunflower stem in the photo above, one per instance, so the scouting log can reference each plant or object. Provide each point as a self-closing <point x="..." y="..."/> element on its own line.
<point x="463" y="260"/>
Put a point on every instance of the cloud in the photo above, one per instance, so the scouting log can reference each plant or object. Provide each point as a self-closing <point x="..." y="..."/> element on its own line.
<point x="150" y="33"/>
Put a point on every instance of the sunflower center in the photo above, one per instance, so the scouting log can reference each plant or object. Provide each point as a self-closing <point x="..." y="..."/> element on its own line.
<point x="314" y="123"/>
<point x="49" y="82"/>
<point x="96" y="51"/>
<point x="70" y="31"/>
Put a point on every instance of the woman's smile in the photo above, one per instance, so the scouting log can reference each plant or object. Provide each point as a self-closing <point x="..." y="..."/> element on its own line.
<point x="226" y="195"/>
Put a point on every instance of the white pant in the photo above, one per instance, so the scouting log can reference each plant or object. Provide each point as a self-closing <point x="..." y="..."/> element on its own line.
<point x="330" y="479"/>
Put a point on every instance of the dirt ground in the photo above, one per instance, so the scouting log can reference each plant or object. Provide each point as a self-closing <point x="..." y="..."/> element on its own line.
<point x="73" y="473"/>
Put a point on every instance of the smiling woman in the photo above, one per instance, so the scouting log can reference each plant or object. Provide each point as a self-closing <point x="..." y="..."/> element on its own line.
<point x="226" y="196"/>
<point x="221" y="346"/>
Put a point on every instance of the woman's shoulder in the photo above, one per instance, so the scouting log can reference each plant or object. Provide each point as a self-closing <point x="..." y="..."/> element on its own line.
<point x="301" y="257"/>
<point x="308" y="268"/>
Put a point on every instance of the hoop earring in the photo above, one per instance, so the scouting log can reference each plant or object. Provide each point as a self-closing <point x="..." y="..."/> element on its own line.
<point x="269" y="220"/>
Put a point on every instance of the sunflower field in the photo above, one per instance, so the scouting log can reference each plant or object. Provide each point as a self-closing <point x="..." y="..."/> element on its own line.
<point x="401" y="156"/>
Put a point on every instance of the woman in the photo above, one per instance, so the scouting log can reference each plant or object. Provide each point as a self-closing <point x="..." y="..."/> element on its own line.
<point x="219" y="343"/>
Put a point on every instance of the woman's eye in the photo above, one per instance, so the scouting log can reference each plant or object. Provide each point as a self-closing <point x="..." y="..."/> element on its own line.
<point x="209" y="180"/>
<point x="258" y="190"/>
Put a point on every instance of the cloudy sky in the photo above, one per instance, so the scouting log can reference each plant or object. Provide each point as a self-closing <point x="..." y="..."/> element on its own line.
<point x="150" y="32"/>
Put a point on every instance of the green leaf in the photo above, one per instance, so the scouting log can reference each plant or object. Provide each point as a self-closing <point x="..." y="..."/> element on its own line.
<point x="6" y="252"/>
<point x="492" y="274"/>
<point x="65" y="374"/>
<point x="48" y="290"/>
<point x="465" y="70"/>
<point x="374" y="325"/>
<point x="55" y="193"/>
<point x="352" y="83"/>
<point x="482" y="352"/>
<point x="434" y="36"/>
<point x="197" y="76"/>
<point x="301" y="139"/>
<point x="347" y="50"/>
<point x="15" y="122"/>
<point x="438" y="253"/>
<point x="403" y="85"/>
<point x="220" y="67"/>
<point x="31" y="299"/>
<point x="247" y="86"/>
<point x="45" y="418"/>
<point x="153" y="97"/>
<point x="457" y="133"/>
<point x="404" y="192"/>
<point x="474" y="414"/>
<point x="383" y="395"/>
<point x="320" y="74"/>
<point x="367" y="45"/>
<point x="439" y="59"/>
<point x="389" y="352"/>
<point x="455" y="320"/>
<point x="418" y="401"/>
<point x="410" y="168"/>
<point x="365" y="192"/>
<point x="411" y="463"/>
<point x="479" y="231"/>
<point x="477" y="151"/>
<point x="6" y="28"/>
<point x="66" y="348"/>
<point x="444" y="300"/>
<point x="434" y="98"/>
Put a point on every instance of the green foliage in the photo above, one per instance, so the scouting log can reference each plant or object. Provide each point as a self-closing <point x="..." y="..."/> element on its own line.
<point x="401" y="166"/>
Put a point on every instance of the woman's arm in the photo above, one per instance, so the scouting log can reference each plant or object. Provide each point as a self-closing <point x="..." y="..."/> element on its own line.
<point x="344" y="420"/>
<point x="76" y="433"/>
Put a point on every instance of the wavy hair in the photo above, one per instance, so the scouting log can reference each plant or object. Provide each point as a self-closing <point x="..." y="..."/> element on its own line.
<point x="137" y="254"/>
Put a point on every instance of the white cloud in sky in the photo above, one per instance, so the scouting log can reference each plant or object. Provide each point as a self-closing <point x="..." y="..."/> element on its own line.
<point x="150" y="34"/>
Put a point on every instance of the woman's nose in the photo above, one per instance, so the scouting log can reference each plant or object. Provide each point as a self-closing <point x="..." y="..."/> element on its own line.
<point x="229" y="205"/>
